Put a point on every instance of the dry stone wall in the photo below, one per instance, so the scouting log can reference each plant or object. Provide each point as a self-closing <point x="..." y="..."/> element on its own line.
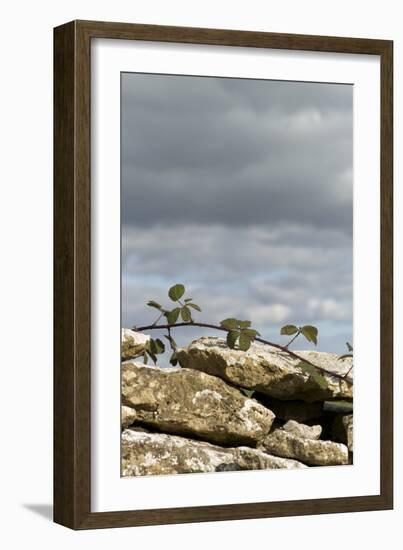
<point x="197" y="418"/>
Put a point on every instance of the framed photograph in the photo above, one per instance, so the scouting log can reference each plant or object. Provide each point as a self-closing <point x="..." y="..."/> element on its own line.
<point x="222" y="260"/>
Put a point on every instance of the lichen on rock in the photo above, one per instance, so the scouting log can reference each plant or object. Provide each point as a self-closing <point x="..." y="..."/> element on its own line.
<point x="302" y="430"/>
<point x="156" y="453"/>
<point x="132" y="344"/>
<point x="128" y="416"/>
<point x="193" y="403"/>
<point x="267" y="369"/>
<point x="309" y="451"/>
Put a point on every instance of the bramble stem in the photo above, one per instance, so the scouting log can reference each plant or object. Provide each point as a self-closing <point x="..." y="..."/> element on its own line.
<point x="261" y="340"/>
<point x="348" y="372"/>
<point x="157" y="319"/>
<point x="292" y="339"/>
<point x="170" y="339"/>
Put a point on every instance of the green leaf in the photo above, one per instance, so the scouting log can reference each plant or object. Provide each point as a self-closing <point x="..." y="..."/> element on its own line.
<point x="345" y="356"/>
<point x="174" y="359"/>
<point x="145" y="358"/>
<point x="247" y="392"/>
<point x="306" y="367"/>
<point x="349" y="346"/>
<point x="194" y="306"/>
<point x="314" y="374"/>
<point x="153" y="356"/>
<point x="186" y="314"/>
<point x="289" y="330"/>
<point x="155" y="346"/>
<point x="310" y="333"/>
<point x="171" y="341"/>
<point x="176" y="292"/>
<point x="251" y="332"/>
<point x="244" y="324"/>
<point x="172" y="316"/>
<point x="160" y="345"/>
<point x="244" y="341"/>
<point x="188" y="300"/>
<point x="232" y="337"/>
<point x="320" y="380"/>
<point x="152" y="346"/>
<point x="230" y="323"/>
<point x="151" y="303"/>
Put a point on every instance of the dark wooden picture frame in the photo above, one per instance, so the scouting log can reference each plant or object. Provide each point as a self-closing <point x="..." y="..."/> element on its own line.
<point x="72" y="271"/>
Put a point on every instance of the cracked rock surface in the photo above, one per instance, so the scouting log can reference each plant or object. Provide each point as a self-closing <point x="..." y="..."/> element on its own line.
<point x="309" y="451"/>
<point x="268" y="370"/>
<point x="193" y="403"/>
<point x="154" y="453"/>
<point x="302" y="430"/>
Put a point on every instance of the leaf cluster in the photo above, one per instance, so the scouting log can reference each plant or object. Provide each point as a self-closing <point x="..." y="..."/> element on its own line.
<point x="308" y="331"/>
<point x="184" y="309"/>
<point x="153" y="348"/>
<point x="239" y="333"/>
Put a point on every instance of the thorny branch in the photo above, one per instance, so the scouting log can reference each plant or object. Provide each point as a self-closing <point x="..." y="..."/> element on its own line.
<point x="261" y="340"/>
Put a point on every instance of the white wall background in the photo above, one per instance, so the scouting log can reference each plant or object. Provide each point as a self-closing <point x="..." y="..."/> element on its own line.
<point x="26" y="277"/>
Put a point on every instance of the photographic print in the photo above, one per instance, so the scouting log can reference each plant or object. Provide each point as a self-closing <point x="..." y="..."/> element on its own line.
<point x="215" y="191"/>
<point x="236" y="274"/>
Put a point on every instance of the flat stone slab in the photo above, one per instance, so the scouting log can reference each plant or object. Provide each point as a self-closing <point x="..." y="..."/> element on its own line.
<point x="268" y="370"/>
<point x="308" y="451"/>
<point x="157" y="454"/>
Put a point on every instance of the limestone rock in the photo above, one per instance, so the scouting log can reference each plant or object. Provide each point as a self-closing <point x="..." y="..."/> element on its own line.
<point x="133" y="343"/>
<point x="342" y="429"/>
<point x="308" y="451"/>
<point x="267" y="369"/>
<point x="128" y="416"/>
<point x="302" y="430"/>
<point x="297" y="410"/>
<point x="154" y="453"/>
<point x="193" y="403"/>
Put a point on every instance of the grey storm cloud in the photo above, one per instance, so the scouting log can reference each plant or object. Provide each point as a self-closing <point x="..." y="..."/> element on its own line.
<point x="251" y="152"/>
<point x="242" y="190"/>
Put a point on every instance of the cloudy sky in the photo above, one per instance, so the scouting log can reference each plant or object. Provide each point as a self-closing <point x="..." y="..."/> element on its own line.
<point x="242" y="191"/>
